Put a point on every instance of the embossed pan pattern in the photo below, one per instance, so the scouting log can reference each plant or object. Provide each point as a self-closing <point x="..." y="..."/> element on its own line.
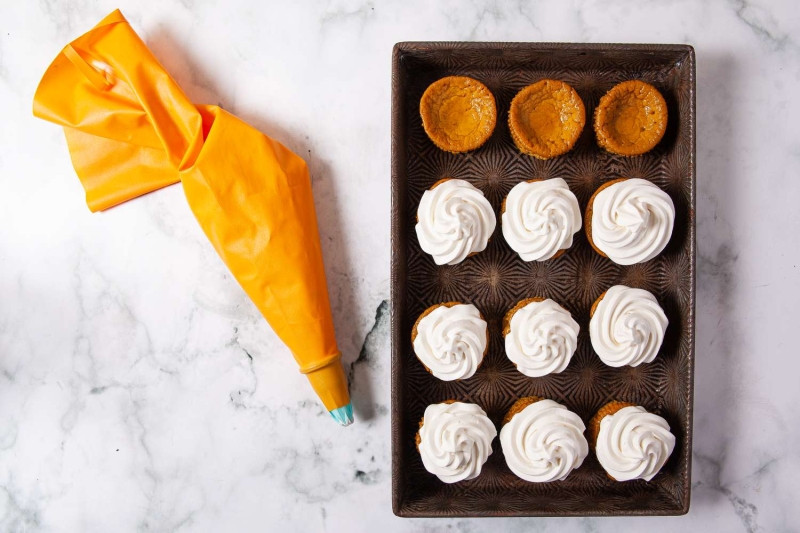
<point x="494" y="280"/>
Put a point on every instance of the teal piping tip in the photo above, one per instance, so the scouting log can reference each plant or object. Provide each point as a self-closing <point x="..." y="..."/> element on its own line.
<point x="343" y="415"/>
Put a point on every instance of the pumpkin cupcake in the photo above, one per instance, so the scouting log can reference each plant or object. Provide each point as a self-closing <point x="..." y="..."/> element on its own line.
<point x="542" y="440"/>
<point x="540" y="337"/>
<point x="631" y="118"/>
<point x="539" y="218"/>
<point x="454" y="221"/>
<point x="546" y="119"/>
<point x="455" y="440"/>
<point x="629" y="220"/>
<point x="451" y="340"/>
<point x="458" y="113"/>
<point x="627" y="326"/>
<point x="629" y="442"/>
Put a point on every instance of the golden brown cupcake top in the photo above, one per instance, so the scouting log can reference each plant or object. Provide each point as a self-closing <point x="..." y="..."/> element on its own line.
<point x="458" y="113"/>
<point x="631" y="118"/>
<point x="546" y="119"/>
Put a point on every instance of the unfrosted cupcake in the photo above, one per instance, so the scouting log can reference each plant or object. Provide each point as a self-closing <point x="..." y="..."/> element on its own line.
<point x="539" y="218"/>
<point x="542" y="440"/>
<point x="540" y="337"/>
<point x="455" y="440"/>
<point x="629" y="220"/>
<point x="546" y="119"/>
<point x="454" y="221"/>
<point x="451" y="340"/>
<point x="458" y="113"/>
<point x="629" y="442"/>
<point x="627" y="326"/>
<point x="631" y="118"/>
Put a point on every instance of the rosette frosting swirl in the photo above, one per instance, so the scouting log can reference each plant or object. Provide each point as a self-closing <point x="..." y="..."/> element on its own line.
<point x="454" y="219"/>
<point x="627" y="327"/>
<point x="451" y="341"/>
<point x="632" y="221"/>
<point x="633" y="444"/>
<point x="542" y="338"/>
<point x="455" y="440"/>
<point x="544" y="442"/>
<point x="540" y="218"/>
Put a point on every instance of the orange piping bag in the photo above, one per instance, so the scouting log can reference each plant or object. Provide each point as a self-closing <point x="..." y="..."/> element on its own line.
<point x="131" y="130"/>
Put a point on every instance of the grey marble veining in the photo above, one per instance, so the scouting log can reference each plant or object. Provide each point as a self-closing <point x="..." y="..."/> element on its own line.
<point x="140" y="390"/>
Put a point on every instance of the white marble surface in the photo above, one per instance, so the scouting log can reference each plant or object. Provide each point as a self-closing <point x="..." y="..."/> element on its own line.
<point x="141" y="391"/>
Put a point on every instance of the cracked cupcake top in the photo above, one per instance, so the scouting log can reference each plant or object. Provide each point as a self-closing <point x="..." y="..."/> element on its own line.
<point x="458" y="113"/>
<point x="546" y="119"/>
<point x="631" y="118"/>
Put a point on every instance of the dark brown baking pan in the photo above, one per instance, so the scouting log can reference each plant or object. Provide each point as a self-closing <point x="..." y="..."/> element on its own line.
<point x="495" y="279"/>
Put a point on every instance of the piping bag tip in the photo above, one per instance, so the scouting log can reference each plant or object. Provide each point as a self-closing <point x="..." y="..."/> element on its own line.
<point x="343" y="415"/>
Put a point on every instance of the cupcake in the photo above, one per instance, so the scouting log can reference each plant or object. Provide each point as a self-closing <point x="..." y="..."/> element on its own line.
<point x="629" y="220"/>
<point x="451" y="340"/>
<point x="540" y="337"/>
<point x="546" y="119"/>
<point x="542" y="440"/>
<point x="454" y="440"/>
<point x="454" y="221"/>
<point x="631" y="118"/>
<point x="458" y="113"/>
<point x="629" y="442"/>
<point x="626" y="326"/>
<point x="539" y="218"/>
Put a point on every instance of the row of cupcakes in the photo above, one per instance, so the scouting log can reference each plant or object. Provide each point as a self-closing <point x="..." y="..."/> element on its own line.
<point x="626" y="328"/>
<point x="545" y="119"/>
<point x="628" y="220"/>
<point x="543" y="441"/>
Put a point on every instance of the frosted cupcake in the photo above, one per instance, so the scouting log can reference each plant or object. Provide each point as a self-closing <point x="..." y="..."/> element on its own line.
<point x="629" y="220"/>
<point x="629" y="442"/>
<point x="542" y="440"/>
<point x="627" y="326"/>
<point x="454" y="221"/>
<point x="540" y="337"/>
<point x="451" y="340"/>
<point x="539" y="219"/>
<point x="455" y="440"/>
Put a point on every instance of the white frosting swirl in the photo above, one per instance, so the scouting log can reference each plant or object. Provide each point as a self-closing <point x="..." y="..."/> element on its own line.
<point x="451" y="341"/>
<point x="632" y="221"/>
<point x="542" y="338"/>
<point x="455" y="440"/>
<point x="540" y="218"/>
<point x="627" y="327"/>
<point x="633" y="444"/>
<point x="544" y="442"/>
<point x="454" y="219"/>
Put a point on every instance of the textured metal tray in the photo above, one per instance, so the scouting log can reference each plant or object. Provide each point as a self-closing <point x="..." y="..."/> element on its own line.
<point x="495" y="279"/>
